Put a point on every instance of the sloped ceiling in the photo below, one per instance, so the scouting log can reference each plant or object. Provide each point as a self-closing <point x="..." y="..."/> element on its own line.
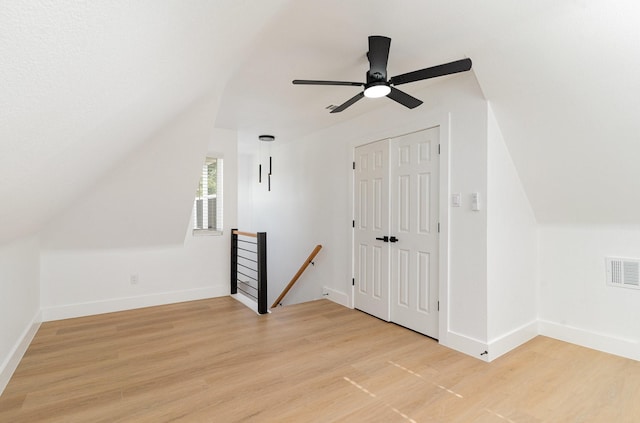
<point x="561" y="77"/>
<point x="84" y="83"/>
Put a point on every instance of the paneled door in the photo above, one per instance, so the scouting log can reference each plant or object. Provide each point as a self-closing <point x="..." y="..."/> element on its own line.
<point x="371" y="190"/>
<point x="414" y="170"/>
<point x="396" y="230"/>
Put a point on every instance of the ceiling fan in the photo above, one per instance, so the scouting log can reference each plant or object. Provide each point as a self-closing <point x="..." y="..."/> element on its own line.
<point x="378" y="85"/>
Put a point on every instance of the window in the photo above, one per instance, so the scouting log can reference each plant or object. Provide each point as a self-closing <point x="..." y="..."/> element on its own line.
<point x="207" y="207"/>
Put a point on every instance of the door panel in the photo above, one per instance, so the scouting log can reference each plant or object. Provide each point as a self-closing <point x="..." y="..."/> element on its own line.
<point x="414" y="211"/>
<point x="371" y="293"/>
<point x="402" y="277"/>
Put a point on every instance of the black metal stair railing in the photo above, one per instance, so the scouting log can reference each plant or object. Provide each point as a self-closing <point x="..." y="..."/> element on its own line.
<point x="249" y="266"/>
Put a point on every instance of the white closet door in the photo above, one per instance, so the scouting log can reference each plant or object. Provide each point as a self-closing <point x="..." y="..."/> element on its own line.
<point x="371" y="192"/>
<point x="396" y="230"/>
<point x="414" y="161"/>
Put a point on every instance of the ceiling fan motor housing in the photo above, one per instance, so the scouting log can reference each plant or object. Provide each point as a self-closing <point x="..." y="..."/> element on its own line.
<point x="376" y="77"/>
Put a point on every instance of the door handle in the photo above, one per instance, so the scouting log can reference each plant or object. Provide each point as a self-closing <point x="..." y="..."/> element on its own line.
<point x="393" y="239"/>
<point x="384" y="238"/>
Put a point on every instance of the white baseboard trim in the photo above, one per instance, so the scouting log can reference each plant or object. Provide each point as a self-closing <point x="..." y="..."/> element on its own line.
<point x="507" y="342"/>
<point x="466" y="345"/>
<point x="335" y="296"/>
<point x="128" y="303"/>
<point x="628" y="348"/>
<point x="10" y="364"/>
<point x="249" y="302"/>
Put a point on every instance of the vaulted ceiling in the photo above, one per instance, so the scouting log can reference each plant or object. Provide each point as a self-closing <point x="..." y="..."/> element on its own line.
<point x="85" y="83"/>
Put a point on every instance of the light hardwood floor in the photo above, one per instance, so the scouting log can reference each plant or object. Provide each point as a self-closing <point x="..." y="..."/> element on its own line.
<point x="216" y="361"/>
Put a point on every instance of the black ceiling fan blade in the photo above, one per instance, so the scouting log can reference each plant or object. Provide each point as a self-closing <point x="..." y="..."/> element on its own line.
<point x="348" y="103"/>
<point x="432" y="72"/>
<point x="404" y="98"/>
<point x="378" y="56"/>
<point x="313" y="82"/>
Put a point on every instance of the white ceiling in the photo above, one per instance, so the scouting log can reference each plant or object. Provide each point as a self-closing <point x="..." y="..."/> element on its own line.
<point x="561" y="77"/>
<point x="328" y="40"/>
<point x="85" y="83"/>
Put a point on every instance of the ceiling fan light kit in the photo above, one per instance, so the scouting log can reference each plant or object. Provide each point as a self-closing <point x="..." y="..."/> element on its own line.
<point x="378" y="85"/>
<point x="377" y="89"/>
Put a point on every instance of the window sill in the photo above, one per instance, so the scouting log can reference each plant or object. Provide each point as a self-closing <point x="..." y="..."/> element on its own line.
<point x="206" y="232"/>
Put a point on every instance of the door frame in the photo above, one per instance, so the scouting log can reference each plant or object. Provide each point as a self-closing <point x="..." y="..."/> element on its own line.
<point x="442" y="120"/>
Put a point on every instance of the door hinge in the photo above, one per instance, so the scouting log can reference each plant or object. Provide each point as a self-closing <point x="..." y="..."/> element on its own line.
<point x="353" y="281"/>
<point x="438" y="227"/>
<point x="354" y="165"/>
<point x="438" y="305"/>
<point x="353" y="223"/>
<point x="438" y="148"/>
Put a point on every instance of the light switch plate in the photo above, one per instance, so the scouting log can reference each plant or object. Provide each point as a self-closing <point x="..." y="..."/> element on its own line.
<point x="475" y="201"/>
<point x="456" y="199"/>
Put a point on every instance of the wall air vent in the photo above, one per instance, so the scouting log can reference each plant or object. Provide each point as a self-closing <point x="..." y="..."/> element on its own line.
<point x="623" y="272"/>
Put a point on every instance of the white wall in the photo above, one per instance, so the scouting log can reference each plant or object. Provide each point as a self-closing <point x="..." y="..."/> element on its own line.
<point x="86" y="271"/>
<point x="308" y="205"/>
<point x="576" y="305"/>
<point x="19" y="302"/>
<point x="85" y="83"/>
<point x="146" y="199"/>
<point x="85" y="282"/>
<point x="246" y="175"/>
<point x="512" y="251"/>
<point x="311" y="203"/>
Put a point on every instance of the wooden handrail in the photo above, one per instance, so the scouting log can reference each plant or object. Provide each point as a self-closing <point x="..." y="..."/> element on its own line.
<point x="251" y="234"/>
<point x="297" y="275"/>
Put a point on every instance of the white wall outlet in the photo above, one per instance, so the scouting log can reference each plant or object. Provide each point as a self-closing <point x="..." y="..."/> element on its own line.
<point x="134" y="279"/>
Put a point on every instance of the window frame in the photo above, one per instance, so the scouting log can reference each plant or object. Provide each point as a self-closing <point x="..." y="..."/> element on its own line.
<point x="218" y="228"/>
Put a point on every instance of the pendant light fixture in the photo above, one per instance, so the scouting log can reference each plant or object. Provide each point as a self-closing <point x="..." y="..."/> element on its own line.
<point x="265" y="138"/>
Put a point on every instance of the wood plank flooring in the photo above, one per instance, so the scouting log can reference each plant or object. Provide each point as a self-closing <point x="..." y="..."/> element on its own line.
<point x="217" y="361"/>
